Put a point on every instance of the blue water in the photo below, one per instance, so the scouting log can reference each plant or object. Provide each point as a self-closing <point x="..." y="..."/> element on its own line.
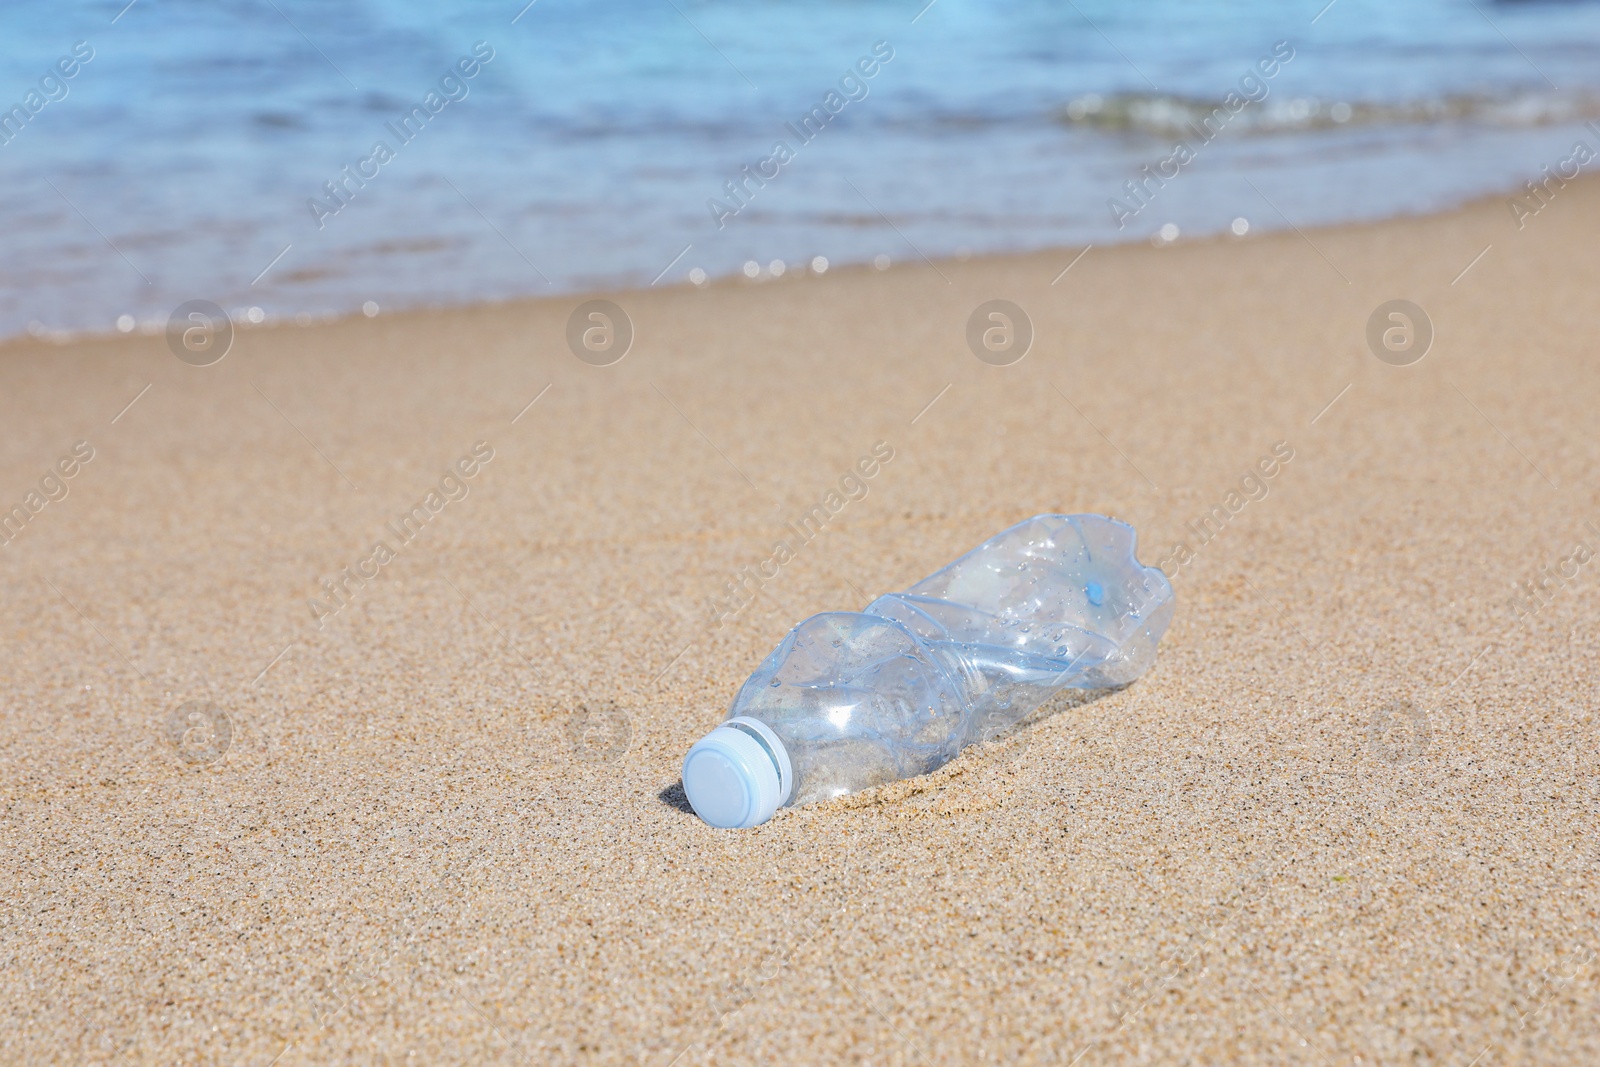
<point x="179" y="161"/>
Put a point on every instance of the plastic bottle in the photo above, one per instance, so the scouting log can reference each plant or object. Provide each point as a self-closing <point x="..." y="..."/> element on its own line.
<point x="850" y="700"/>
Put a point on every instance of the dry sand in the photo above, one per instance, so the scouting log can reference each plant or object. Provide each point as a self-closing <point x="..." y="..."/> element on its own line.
<point x="1349" y="816"/>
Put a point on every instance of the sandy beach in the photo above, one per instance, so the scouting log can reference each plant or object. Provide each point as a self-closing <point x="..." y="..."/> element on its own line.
<point x="271" y="795"/>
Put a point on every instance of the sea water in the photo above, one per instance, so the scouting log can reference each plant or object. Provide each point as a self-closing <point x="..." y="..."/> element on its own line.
<point x="230" y="151"/>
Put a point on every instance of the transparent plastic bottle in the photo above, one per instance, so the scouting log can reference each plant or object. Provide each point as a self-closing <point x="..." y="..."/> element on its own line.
<point x="850" y="700"/>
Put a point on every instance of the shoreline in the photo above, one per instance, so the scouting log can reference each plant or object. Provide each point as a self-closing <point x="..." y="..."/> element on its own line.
<point x="799" y="271"/>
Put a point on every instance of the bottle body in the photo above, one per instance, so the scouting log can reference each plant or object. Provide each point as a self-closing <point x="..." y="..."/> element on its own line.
<point x="857" y="699"/>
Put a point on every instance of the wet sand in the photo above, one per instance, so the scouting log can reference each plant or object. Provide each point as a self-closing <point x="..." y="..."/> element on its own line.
<point x="1348" y="817"/>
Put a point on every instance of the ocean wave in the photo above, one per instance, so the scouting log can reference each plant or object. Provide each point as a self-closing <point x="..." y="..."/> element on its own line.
<point x="1164" y="115"/>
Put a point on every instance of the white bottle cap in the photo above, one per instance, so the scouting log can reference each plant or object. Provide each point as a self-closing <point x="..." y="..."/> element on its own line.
<point x="738" y="774"/>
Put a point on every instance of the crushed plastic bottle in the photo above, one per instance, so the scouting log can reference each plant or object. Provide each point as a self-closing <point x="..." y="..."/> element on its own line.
<point x="851" y="700"/>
